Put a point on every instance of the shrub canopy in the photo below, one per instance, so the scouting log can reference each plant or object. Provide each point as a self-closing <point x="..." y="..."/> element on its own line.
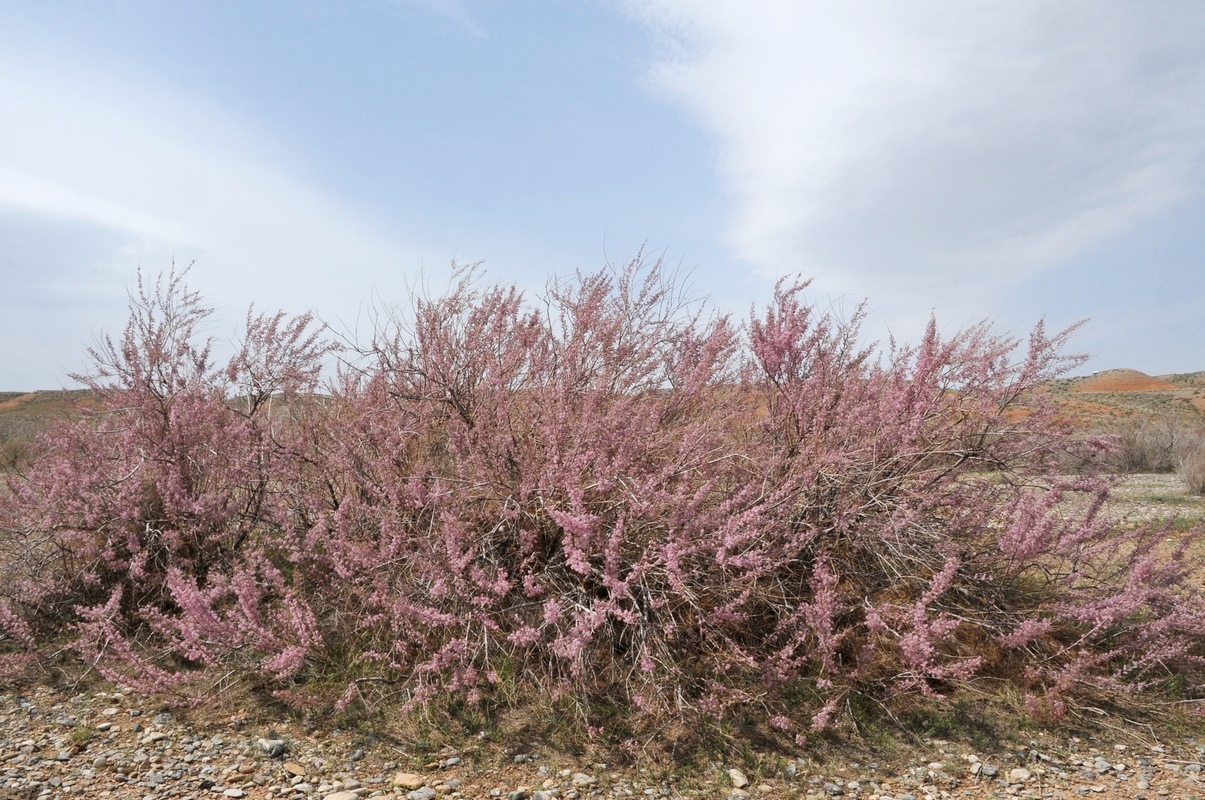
<point x="609" y="497"/>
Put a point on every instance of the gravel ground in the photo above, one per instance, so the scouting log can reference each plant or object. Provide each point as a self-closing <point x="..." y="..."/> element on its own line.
<point x="119" y="745"/>
<point x="1151" y="497"/>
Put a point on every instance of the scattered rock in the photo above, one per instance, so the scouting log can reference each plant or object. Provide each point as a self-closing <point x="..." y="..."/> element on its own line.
<point x="44" y="758"/>
<point x="273" y="747"/>
<point x="1019" y="775"/>
<point x="408" y="780"/>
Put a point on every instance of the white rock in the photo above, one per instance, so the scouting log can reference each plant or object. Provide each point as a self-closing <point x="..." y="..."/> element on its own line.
<point x="1019" y="775"/>
<point x="739" y="781"/>
<point x="273" y="747"/>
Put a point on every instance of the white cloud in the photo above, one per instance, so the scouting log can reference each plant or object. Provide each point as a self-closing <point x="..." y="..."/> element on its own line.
<point x="903" y="150"/>
<point x="173" y="177"/>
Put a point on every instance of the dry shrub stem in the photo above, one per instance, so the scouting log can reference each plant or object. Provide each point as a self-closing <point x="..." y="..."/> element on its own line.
<point x="611" y="499"/>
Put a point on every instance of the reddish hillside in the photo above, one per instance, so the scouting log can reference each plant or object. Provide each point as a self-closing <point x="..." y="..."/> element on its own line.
<point x="1123" y="380"/>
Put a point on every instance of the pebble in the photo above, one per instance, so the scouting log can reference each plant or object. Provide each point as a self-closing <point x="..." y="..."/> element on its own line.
<point x="407" y="780"/>
<point x="41" y="759"/>
<point x="273" y="747"/>
<point x="1019" y="775"/>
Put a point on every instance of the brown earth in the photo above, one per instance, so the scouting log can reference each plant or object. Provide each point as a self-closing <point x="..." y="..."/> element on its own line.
<point x="1122" y="380"/>
<point x="1103" y="400"/>
<point x="109" y="743"/>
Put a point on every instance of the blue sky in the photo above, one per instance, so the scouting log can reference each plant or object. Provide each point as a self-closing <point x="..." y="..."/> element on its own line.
<point x="1015" y="161"/>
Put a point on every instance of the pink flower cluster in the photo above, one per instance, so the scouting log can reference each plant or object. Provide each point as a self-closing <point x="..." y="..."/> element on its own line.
<point x="609" y="494"/>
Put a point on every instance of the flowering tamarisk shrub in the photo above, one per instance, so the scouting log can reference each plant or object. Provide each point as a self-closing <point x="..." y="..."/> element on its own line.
<point x="154" y="517"/>
<point x="609" y="498"/>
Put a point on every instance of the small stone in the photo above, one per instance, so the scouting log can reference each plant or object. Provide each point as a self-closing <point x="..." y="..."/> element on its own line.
<point x="451" y="762"/>
<point x="1193" y="769"/>
<point x="989" y="771"/>
<point x="1101" y="765"/>
<point x="273" y="747"/>
<point x="407" y="780"/>
<point x="294" y="769"/>
<point x="583" y="781"/>
<point x="1019" y="775"/>
<point x="343" y="796"/>
<point x="235" y="793"/>
<point x="739" y="781"/>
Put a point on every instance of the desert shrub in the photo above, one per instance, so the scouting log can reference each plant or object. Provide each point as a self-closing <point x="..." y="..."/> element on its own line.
<point x="1190" y="460"/>
<point x="1146" y="444"/>
<point x="611" y="498"/>
<point x="164" y="497"/>
<point x="16" y="436"/>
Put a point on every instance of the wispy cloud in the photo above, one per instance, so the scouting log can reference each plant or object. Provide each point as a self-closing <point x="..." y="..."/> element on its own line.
<point x="172" y="177"/>
<point x="905" y="149"/>
<point x="455" y="11"/>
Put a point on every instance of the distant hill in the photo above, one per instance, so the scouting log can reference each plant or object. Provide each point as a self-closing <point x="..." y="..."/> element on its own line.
<point x="1115" y="395"/>
<point x="24" y="414"/>
<point x="1097" y="402"/>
